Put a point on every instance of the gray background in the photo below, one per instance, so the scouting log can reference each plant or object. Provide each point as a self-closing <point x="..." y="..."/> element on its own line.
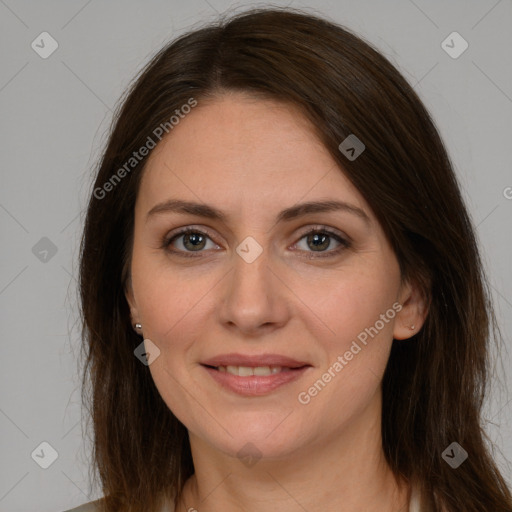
<point x="55" y="114"/>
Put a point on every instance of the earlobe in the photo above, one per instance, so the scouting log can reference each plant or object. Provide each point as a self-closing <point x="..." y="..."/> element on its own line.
<point x="411" y="317"/>
<point x="134" y="318"/>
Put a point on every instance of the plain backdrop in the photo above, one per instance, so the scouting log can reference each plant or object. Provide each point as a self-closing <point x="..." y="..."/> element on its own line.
<point x="55" y="115"/>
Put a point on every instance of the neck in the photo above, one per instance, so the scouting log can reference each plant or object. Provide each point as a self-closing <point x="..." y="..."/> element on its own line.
<point x="344" y="473"/>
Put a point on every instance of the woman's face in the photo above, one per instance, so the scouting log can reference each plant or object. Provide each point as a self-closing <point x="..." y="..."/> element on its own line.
<point x="249" y="286"/>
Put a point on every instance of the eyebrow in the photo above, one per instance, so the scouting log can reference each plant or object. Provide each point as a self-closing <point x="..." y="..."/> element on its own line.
<point x="291" y="213"/>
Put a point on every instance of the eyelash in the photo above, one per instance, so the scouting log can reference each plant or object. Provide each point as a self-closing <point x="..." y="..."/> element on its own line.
<point x="344" y="244"/>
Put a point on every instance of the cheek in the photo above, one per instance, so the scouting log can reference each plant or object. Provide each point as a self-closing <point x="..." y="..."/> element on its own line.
<point x="169" y="300"/>
<point x="173" y="307"/>
<point x="351" y="303"/>
<point x="357" y="310"/>
<point x="173" y="325"/>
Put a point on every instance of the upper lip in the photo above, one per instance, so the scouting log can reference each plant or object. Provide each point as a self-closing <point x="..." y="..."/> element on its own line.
<point x="254" y="360"/>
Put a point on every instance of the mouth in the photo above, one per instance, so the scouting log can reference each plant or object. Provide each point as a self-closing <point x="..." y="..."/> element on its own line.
<point x="254" y="375"/>
<point x="249" y="371"/>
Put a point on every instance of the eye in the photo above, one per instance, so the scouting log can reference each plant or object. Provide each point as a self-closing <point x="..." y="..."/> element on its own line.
<point x="188" y="240"/>
<point x="319" y="240"/>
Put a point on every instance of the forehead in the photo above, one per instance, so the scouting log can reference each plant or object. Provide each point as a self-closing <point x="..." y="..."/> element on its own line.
<point x="237" y="147"/>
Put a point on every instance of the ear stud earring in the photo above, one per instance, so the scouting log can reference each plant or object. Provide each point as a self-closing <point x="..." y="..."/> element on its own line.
<point x="138" y="326"/>
<point x="412" y="327"/>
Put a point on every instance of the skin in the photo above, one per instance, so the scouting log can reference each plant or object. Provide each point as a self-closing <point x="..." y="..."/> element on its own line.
<point x="252" y="158"/>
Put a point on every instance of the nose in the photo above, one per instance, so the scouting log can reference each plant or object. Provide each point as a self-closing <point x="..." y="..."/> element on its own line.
<point x="254" y="299"/>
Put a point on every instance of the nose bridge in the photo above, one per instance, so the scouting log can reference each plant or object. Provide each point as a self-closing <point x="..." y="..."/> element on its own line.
<point x="253" y="296"/>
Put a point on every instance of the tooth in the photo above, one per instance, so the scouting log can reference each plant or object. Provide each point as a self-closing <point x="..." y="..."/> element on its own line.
<point x="248" y="371"/>
<point x="232" y="369"/>
<point x="262" y="370"/>
<point x="245" y="371"/>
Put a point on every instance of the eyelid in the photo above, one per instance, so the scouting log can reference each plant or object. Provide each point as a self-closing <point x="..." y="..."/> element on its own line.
<point x="302" y="232"/>
<point x="341" y="237"/>
<point x="188" y="228"/>
<point x="344" y="241"/>
<point x="326" y="229"/>
<point x="183" y="231"/>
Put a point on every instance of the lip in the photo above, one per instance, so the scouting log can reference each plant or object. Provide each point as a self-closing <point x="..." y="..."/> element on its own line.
<point x="252" y="361"/>
<point x="255" y="385"/>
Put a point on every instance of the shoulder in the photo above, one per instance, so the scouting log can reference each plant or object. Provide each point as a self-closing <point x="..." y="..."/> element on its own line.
<point x="91" y="506"/>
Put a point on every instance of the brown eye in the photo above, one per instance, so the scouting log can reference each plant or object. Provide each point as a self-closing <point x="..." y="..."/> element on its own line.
<point x="318" y="241"/>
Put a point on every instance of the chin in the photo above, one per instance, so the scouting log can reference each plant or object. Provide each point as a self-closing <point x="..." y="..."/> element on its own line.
<point x="256" y="437"/>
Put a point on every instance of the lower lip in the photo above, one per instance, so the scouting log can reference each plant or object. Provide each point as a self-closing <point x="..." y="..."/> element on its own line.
<point x="255" y="385"/>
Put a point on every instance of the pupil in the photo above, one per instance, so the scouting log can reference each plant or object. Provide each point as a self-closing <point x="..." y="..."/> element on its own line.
<point x="315" y="238"/>
<point x="318" y="241"/>
<point x="195" y="240"/>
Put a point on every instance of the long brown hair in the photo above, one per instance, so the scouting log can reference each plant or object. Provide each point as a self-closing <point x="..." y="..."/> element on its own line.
<point x="434" y="385"/>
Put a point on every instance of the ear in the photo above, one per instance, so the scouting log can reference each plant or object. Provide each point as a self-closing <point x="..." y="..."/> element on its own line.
<point x="411" y="317"/>
<point x="128" y="293"/>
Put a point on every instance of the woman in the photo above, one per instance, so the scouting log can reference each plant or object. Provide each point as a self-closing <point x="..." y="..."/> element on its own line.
<point x="283" y="301"/>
